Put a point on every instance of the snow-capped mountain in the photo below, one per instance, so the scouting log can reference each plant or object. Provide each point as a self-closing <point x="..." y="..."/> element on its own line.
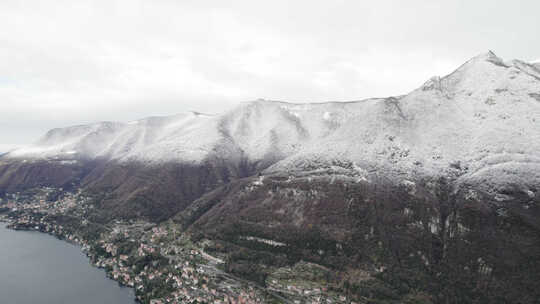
<point x="440" y="185"/>
<point x="485" y="116"/>
<point x="258" y="129"/>
<point x="184" y="137"/>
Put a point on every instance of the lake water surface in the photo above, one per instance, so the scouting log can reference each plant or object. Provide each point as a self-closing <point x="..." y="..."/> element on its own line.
<point x="36" y="268"/>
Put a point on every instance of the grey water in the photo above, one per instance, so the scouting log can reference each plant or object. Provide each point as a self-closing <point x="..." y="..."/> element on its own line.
<point x="38" y="268"/>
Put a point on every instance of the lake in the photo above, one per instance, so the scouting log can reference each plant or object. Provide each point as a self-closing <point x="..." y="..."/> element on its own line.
<point x="38" y="268"/>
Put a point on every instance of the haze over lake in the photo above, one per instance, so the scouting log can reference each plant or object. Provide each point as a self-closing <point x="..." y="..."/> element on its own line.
<point x="38" y="268"/>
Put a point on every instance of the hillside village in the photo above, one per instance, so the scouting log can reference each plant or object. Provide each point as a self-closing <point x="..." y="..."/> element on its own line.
<point x="159" y="262"/>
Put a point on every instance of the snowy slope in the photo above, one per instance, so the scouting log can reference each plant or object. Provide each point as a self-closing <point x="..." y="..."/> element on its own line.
<point x="482" y="118"/>
<point x="186" y="137"/>
<point x="274" y="130"/>
<point x="485" y="115"/>
<point x="259" y="130"/>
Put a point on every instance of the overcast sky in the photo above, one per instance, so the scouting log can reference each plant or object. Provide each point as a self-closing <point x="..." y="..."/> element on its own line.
<point x="73" y="62"/>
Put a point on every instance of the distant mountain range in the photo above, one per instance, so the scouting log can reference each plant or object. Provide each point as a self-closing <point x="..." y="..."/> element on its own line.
<point x="455" y="162"/>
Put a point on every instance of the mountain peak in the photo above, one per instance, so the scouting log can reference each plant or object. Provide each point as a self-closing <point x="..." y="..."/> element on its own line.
<point x="489" y="56"/>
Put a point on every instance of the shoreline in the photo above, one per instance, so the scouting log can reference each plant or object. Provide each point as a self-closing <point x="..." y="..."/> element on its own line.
<point x="8" y="223"/>
<point x="160" y="262"/>
<point x="5" y="223"/>
<point x="119" y="277"/>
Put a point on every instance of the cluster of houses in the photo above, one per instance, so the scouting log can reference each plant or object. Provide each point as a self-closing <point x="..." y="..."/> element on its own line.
<point x="189" y="276"/>
<point x="39" y="202"/>
<point x="184" y="276"/>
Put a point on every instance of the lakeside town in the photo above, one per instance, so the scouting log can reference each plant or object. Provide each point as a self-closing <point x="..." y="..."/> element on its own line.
<point x="160" y="262"/>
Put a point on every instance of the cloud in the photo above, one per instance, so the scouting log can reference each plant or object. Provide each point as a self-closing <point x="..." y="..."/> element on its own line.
<point x="81" y="61"/>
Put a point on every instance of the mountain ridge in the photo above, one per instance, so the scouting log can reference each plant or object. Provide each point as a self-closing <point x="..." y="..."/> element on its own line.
<point x="483" y="118"/>
<point x="485" y="115"/>
<point x="487" y="109"/>
<point x="429" y="197"/>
